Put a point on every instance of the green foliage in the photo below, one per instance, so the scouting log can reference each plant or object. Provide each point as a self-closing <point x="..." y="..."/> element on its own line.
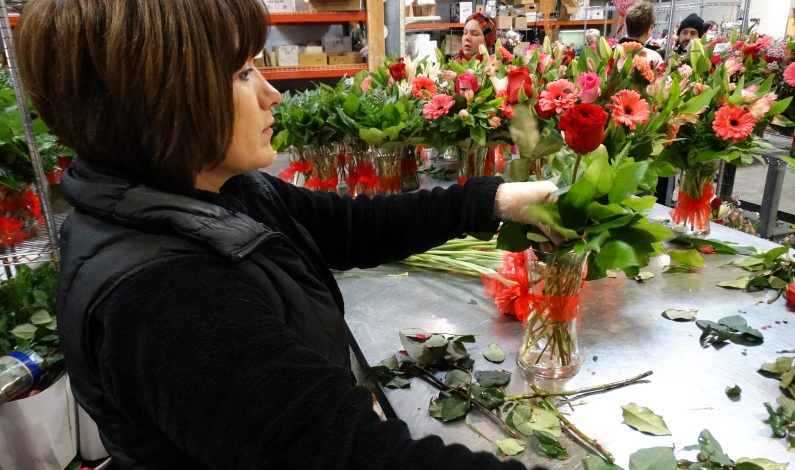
<point x="644" y="420"/>
<point x="16" y="168"/>
<point x="733" y="328"/>
<point x="774" y="269"/>
<point x="27" y="311"/>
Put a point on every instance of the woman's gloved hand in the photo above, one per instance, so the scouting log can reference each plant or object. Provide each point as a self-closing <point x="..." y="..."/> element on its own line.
<point x="513" y="198"/>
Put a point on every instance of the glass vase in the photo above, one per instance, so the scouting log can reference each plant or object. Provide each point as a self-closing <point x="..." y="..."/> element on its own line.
<point x="409" y="178"/>
<point x="549" y="348"/>
<point x="359" y="168"/>
<point x="323" y="175"/>
<point x="692" y="212"/>
<point x="474" y="161"/>
<point x="387" y="170"/>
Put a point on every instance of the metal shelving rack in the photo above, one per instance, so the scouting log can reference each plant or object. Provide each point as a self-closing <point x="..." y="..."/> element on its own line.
<point x="44" y="246"/>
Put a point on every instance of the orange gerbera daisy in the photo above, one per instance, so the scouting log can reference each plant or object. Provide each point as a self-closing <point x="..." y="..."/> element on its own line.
<point x="733" y="123"/>
<point x="644" y="69"/>
<point x="423" y="88"/>
<point x="629" y="108"/>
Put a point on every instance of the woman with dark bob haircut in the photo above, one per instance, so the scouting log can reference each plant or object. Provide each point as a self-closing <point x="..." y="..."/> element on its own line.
<point x="200" y="323"/>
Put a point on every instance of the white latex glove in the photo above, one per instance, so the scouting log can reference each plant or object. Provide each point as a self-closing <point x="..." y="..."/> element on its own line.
<point x="513" y="198"/>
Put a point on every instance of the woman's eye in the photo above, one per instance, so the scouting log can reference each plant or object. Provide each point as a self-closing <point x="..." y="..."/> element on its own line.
<point x="244" y="74"/>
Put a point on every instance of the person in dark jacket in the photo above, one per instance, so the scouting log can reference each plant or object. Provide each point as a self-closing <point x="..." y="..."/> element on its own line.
<point x="200" y="323"/>
<point x="692" y="27"/>
<point x="479" y="30"/>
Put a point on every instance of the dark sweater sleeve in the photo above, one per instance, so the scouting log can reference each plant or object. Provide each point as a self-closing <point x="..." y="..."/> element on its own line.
<point x="192" y="348"/>
<point x="365" y="232"/>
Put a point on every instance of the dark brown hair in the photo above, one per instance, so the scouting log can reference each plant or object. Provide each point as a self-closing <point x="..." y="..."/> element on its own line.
<point x="141" y="86"/>
<point x="640" y="17"/>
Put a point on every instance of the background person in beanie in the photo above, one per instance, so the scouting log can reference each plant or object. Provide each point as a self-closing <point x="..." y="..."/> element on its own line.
<point x="478" y="29"/>
<point x="690" y="28"/>
<point x="640" y="21"/>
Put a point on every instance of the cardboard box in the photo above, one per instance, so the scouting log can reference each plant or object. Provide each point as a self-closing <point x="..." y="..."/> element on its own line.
<point x="279" y="6"/>
<point x="504" y="22"/>
<point x="312" y="60"/>
<point x="481" y="8"/>
<point x="452" y="43"/>
<point x="342" y="58"/>
<point x="519" y="22"/>
<point x="335" y="5"/>
<point x="460" y="11"/>
<point x="287" y="56"/>
<point x="333" y="43"/>
<point x="595" y="13"/>
<point x="313" y="49"/>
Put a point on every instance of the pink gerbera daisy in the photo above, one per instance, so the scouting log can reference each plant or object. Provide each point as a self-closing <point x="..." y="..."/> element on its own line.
<point x="559" y="95"/>
<point x="789" y="74"/>
<point x="733" y="123"/>
<point x="629" y="108"/>
<point x="438" y="106"/>
<point x="423" y="87"/>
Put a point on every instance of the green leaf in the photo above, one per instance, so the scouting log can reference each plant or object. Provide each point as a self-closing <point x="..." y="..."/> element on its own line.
<point x="616" y="254"/>
<point x="771" y="255"/>
<point x="639" y="204"/>
<point x="494" y="353"/>
<point x="653" y="458"/>
<point x="694" y="105"/>
<point x="763" y="464"/>
<point x="680" y="315"/>
<point x="448" y="408"/>
<point x="510" y="446"/>
<point x="733" y="392"/>
<point x="625" y="183"/>
<point x="40" y="317"/>
<point x="711" y="449"/>
<point x="787" y="406"/>
<point x="739" y="283"/>
<point x="24" y="331"/>
<point x="592" y="462"/>
<point x="690" y="258"/>
<point x="489" y="397"/>
<point x="734" y="322"/>
<point x="492" y="378"/>
<point x="598" y="172"/>
<point x="455" y="378"/>
<point x="512" y="237"/>
<point x="398" y="382"/>
<point x="436" y="341"/>
<point x="782" y="365"/>
<point x="644" y="420"/>
<point x="550" y="446"/>
<point x="712" y="333"/>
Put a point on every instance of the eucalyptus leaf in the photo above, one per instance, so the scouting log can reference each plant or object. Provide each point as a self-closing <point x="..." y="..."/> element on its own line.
<point x="653" y="458"/>
<point x="782" y="365"/>
<point x="592" y="462"/>
<point x="644" y="420"/>
<point x="494" y="353"/>
<point x="491" y="378"/>
<point x="680" y="315"/>
<point x="436" y="341"/>
<point x="510" y="446"/>
<point x="643" y="276"/>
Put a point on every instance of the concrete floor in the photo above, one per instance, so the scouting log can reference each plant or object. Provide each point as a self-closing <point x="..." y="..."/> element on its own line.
<point x="749" y="183"/>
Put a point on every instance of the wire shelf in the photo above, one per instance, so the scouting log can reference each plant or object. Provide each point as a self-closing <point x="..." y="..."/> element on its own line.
<point x="32" y="250"/>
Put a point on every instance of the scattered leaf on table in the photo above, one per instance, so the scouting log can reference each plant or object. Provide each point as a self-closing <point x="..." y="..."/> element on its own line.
<point x="494" y="353"/>
<point x="710" y="450"/>
<point x="455" y="378"/>
<point x="712" y="333"/>
<point x="644" y="275"/>
<point x="644" y="420"/>
<point x="786" y="351"/>
<point x="492" y="378"/>
<point x="739" y="283"/>
<point x="489" y="397"/>
<point x="550" y="446"/>
<point x="653" y="458"/>
<point x="448" y="407"/>
<point x="777" y="283"/>
<point x="436" y="341"/>
<point x="472" y="302"/>
<point x="734" y="322"/>
<point x="782" y="365"/>
<point x="612" y="273"/>
<point x="690" y="258"/>
<point x="680" y="315"/>
<point x="592" y="462"/>
<point x="511" y="446"/>
<point x="734" y="392"/>
<point x="527" y="419"/>
<point x="756" y="464"/>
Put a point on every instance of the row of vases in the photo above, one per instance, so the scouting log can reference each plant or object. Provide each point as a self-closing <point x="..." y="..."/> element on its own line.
<point x="355" y="168"/>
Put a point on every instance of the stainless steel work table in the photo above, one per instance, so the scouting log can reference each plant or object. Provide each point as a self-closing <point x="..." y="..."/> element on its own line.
<point x="621" y="332"/>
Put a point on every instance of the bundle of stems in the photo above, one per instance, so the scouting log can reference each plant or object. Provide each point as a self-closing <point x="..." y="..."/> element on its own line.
<point x="468" y="256"/>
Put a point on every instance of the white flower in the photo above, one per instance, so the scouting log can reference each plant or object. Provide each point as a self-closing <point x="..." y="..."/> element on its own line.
<point x="499" y="84"/>
<point x="404" y="88"/>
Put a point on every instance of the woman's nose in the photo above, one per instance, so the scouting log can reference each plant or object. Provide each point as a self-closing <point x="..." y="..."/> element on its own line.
<point x="269" y="96"/>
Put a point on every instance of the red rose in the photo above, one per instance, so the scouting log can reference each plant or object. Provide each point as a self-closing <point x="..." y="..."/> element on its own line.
<point x="752" y="50"/>
<point x="398" y="70"/>
<point x="584" y="127"/>
<point x="791" y="293"/>
<point x="464" y="82"/>
<point x="519" y="79"/>
<point x="544" y="114"/>
<point x="716" y="59"/>
<point x="568" y="56"/>
<point x="715" y="203"/>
